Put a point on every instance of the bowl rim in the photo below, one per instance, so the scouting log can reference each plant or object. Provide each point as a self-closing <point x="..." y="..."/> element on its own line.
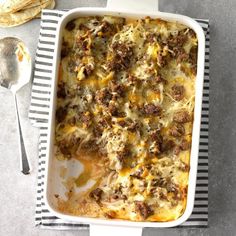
<point x="90" y="11"/>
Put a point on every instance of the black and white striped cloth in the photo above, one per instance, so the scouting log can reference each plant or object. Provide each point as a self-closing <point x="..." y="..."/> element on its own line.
<point x="39" y="111"/>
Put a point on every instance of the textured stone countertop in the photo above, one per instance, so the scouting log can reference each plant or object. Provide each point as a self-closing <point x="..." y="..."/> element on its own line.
<point x="17" y="192"/>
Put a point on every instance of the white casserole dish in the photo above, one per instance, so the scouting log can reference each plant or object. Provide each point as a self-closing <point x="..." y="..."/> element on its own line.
<point x="53" y="181"/>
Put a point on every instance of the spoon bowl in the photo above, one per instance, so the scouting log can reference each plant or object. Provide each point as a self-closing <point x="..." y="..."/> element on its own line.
<point x="15" y="66"/>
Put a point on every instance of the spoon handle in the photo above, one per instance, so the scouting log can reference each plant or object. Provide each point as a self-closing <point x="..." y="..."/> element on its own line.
<point x="24" y="164"/>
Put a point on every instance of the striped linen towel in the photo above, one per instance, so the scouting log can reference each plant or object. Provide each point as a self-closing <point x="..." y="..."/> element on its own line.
<point x="39" y="111"/>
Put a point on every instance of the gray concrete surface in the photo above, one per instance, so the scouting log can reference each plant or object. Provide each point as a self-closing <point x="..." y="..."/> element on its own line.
<point x="17" y="192"/>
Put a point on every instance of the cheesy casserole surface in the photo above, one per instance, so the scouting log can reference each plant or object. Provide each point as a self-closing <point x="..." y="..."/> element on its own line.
<point x="125" y="103"/>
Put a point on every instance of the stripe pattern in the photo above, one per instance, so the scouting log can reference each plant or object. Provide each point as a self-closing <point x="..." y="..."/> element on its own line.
<point x="39" y="111"/>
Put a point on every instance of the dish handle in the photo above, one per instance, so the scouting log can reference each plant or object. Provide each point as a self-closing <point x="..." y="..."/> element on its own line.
<point x="144" y="5"/>
<point x="109" y="230"/>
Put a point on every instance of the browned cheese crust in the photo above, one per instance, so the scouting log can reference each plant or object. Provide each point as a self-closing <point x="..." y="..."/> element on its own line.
<point x="125" y="103"/>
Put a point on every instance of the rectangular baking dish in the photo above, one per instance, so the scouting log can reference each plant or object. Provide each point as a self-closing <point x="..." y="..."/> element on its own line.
<point x="53" y="182"/>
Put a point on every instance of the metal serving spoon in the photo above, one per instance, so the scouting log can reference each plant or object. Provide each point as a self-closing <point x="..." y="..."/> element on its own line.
<point x="15" y="72"/>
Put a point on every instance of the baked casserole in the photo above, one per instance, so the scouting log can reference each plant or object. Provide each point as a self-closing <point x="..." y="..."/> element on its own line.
<point x="125" y="103"/>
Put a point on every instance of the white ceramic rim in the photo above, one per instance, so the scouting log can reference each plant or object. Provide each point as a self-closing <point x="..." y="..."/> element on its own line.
<point x="196" y="124"/>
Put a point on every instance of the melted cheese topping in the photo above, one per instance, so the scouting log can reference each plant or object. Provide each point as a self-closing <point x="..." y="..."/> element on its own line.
<point x="124" y="110"/>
